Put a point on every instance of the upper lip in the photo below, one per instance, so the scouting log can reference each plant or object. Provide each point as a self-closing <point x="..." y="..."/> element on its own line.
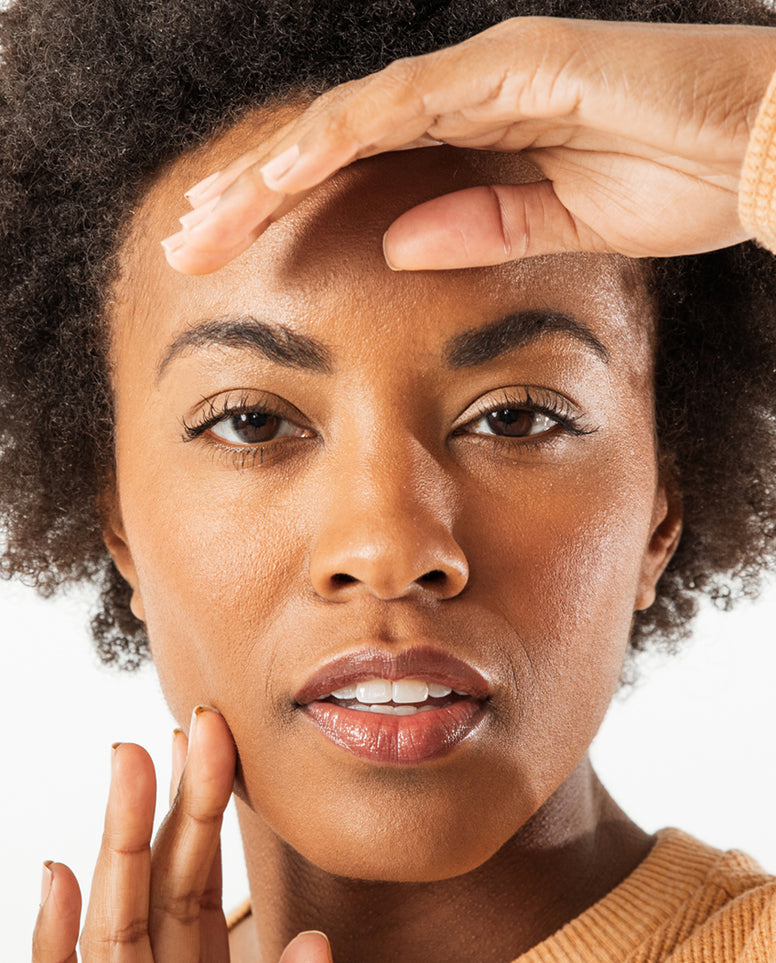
<point x="424" y="662"/>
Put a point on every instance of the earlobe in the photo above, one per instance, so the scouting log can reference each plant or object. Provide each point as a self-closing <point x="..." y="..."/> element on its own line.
<point x="114" y="536"/>
<point x="664" y="539"/>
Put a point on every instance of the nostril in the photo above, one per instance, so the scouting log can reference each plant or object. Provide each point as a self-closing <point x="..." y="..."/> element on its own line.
<point x="433" y="577"/>
<point x="342" y="578"/>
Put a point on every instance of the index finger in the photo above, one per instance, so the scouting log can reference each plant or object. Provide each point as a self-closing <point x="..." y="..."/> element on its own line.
<point x="398" y="108"/>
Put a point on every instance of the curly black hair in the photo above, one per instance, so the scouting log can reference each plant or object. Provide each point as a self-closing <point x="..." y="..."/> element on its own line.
<point x="97" y="95"/>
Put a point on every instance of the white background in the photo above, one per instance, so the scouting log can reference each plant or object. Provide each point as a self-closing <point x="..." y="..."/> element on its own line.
<point x="692" y="747"/>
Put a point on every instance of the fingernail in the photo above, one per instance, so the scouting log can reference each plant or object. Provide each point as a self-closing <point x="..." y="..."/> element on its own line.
<point x="279" y="167"/>
<point x="201" y="187"/>
<point x="198" y="215"/>
<point x="113" y="757"/>
<point x="45" y="882"/>
<point x="385" y="255"/>
<point x="198" y="711"/>
<point x="174" y="242"/>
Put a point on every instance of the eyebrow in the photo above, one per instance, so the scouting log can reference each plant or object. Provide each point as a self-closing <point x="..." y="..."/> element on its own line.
<point x="275" y="341"/>
<point x="480" y="345"/>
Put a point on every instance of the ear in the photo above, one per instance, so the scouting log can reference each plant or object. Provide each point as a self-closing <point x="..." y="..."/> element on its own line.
<point x="665" y="532"/>
<point x="115" y="539"/>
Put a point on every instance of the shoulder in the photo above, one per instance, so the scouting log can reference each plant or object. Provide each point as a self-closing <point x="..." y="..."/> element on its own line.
<point x="704" y="905"/>
<point x="735" y="908"/>
<point x="686" y="902"/>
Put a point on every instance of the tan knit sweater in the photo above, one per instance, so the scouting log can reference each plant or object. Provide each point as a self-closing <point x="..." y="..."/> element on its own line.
<point x="685" y="903"/>
<point x="757" y="190"/>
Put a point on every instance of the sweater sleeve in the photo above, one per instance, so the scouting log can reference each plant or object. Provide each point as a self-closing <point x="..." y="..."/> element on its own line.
<point x="757" y="191"/>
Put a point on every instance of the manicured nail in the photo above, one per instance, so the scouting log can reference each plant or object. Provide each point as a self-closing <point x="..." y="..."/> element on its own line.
<point x="198" y="215"/>
<point x="279" y="167"/>
<point x="198" y="711"/>
<point x="385" y="255"/>
<point x="174" y="242"/>
<point x="45" y="882"/>
<point x="201" y="187"/>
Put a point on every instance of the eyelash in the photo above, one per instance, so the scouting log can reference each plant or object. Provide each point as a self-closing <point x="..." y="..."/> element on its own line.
<point x="222" y="408"/>
<point x="538" y="401"/>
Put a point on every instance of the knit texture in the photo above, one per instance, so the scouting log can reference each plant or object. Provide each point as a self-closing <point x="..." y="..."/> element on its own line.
<point x="685" y="903"/>
<point x="757" y="190"/>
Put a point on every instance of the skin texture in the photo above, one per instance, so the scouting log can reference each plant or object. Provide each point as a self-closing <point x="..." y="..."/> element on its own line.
<point x="545" y="547"/>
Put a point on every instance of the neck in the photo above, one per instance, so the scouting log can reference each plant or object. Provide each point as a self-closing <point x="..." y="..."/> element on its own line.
<point x="572" y="852"/>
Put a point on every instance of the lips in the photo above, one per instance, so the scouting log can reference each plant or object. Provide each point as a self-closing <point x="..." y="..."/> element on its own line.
<point x="407" y="737"/>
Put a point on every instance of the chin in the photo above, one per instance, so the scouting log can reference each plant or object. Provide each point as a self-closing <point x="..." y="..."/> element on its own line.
<point x="390" y="839"/>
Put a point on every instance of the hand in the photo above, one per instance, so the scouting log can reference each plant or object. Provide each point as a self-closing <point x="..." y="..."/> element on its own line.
<point x="639" y="132"/>
<point x="160" y="903"/>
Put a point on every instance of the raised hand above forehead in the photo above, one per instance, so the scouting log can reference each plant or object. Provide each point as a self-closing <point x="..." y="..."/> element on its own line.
<point x="639" y="132"/>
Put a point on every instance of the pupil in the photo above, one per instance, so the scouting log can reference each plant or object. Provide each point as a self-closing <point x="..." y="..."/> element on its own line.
<point x="254" y="426"/>
<point x="511" y="421"/>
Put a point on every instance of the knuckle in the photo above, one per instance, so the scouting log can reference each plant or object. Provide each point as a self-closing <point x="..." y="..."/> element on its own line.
<point x="183" y="908"/>
<point x="502" y="220"/>
<point x="210" y="900"/>
<point x="402" y="73"/>
<point x="104" y="933"/>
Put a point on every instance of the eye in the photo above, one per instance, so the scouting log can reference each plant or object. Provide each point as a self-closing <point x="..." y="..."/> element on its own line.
<point x="526" y="412"/>
<point x="254" y="428"/>
<point x="512" y="423"/>
<point x="243" y="421"/>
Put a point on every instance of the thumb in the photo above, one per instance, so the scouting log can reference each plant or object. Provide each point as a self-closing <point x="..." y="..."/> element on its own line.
<point x="312" y="946"/>
<point x="480" y="226"/>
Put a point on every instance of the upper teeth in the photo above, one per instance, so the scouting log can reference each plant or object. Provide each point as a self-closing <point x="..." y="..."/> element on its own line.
<point x="381" y="691"/>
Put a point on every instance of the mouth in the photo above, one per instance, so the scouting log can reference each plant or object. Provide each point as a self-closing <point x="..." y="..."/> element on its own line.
<point x="398" y="709"/>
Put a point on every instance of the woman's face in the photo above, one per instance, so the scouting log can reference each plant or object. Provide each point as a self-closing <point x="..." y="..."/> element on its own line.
<point x="329" y="473"/>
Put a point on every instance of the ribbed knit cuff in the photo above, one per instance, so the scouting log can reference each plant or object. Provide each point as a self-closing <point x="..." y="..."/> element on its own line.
<point x="757" y="190"/>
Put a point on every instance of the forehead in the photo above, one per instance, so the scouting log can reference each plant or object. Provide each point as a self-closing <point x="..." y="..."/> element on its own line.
<point x="319" y="269"/>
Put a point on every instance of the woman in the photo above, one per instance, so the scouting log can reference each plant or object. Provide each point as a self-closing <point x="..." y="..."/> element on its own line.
<point x="391" y="535"/>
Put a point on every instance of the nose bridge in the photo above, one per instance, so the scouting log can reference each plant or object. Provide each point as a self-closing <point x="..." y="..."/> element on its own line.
<point x="388" y="523"/>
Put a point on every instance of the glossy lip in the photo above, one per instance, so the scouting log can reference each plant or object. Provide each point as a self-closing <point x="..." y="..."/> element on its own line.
<point x="396" y="740"/>
<point x="422" y="662"/>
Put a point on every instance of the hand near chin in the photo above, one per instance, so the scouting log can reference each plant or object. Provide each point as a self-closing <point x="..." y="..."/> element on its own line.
<point x="637" y="133"/>
<point x="160" y="902"/>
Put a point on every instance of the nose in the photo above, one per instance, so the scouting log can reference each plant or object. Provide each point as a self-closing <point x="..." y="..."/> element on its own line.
<point x="387" y="530"/>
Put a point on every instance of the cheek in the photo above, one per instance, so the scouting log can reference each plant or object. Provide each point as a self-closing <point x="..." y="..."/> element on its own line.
<point x="561" y="561"/>
<point x="214" y="569"/>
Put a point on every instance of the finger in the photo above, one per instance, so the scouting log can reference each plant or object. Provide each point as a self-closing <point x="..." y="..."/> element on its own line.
<point x="116" y="927"/>
<point x="214" y="935"/>
<point x="341" y="126"/>
<point x="311" y="946"/>
<point x="214" y="938"/>
<point x="182" y="875"/>
<point x="55" y="936"/>
<point x="485" y="225"/>
<point x="193" y="252"/>
<point x="180" y="746"/>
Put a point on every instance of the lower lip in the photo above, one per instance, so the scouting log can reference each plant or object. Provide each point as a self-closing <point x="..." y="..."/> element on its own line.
<point x="397" y="740"/>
